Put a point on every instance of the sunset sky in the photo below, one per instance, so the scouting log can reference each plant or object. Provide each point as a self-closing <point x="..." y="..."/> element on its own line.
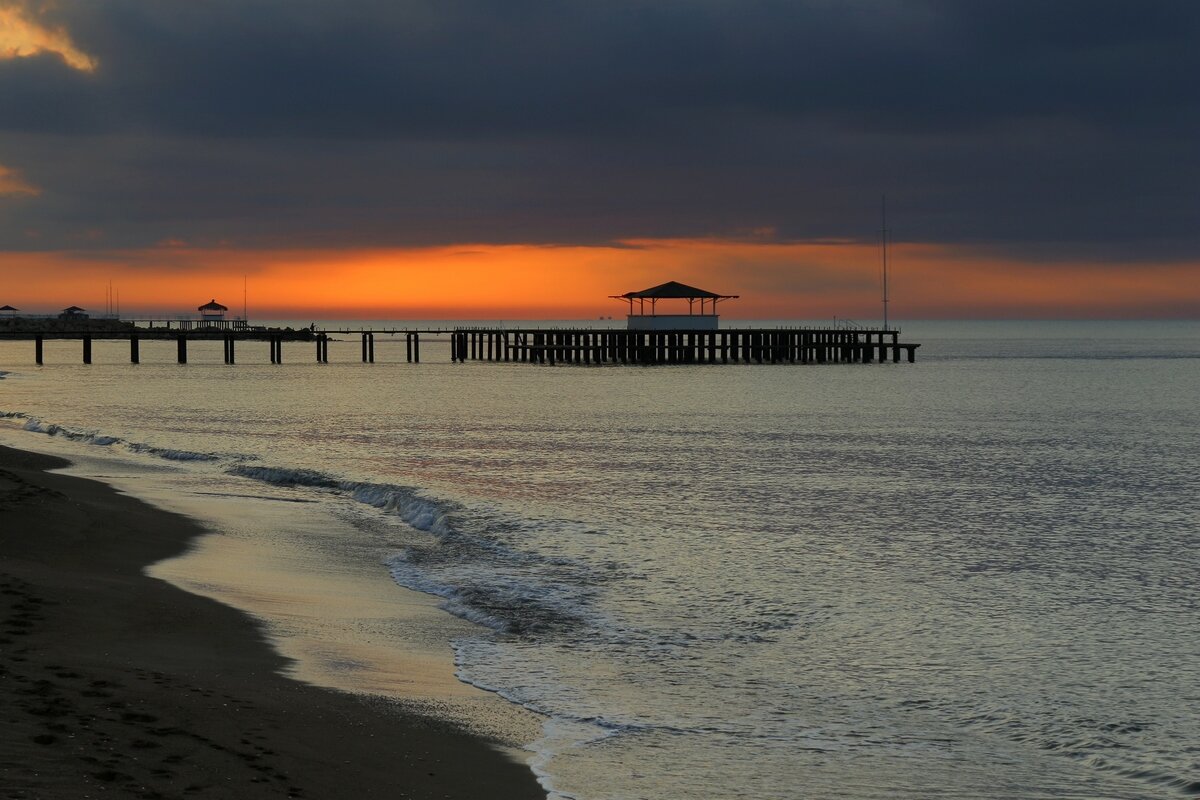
<point x="463" y="158"/>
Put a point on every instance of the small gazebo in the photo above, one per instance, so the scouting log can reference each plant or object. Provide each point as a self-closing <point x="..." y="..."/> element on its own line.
<point x="673" y="290"/>
<point x="73" y="313"/>
<point x="212" y="311"/>
<point x="9" y="310"/>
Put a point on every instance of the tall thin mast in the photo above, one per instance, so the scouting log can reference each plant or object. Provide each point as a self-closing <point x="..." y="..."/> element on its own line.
<point x="884" y="239"/>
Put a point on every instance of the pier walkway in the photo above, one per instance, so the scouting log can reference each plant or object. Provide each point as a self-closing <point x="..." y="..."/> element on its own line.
<point x="540" y="345"/>
<point x="743" y="345"/>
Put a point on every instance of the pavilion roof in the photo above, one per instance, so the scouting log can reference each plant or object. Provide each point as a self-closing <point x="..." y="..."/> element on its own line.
<point x="673" y="289"/>
<point x="8" y="308"/>
<point x="72" y="309"/>
<point x="212" y="305"/>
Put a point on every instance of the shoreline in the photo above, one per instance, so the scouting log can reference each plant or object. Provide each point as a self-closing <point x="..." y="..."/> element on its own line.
<point x="117" y="682"/>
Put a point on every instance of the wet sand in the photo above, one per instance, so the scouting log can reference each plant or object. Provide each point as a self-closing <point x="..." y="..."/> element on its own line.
<point x="116" y="684"/>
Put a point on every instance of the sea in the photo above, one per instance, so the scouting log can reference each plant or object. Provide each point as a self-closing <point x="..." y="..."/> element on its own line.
<point x="975" y="576"/>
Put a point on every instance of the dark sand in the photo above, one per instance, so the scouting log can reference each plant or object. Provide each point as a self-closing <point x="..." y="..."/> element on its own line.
<point x="114" y="684"/>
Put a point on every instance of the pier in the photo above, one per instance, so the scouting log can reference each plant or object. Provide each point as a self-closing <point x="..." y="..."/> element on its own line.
<point x="734" y="346"/>
<point x="576" y="346"/>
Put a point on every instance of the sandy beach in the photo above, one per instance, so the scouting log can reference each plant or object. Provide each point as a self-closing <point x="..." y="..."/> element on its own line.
<point x="116" y="684"/>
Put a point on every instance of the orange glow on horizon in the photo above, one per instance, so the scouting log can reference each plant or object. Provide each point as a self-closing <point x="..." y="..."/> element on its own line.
<point x="775" y="281"/>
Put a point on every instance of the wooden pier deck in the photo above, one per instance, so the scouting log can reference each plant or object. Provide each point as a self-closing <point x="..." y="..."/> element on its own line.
<point x="541" y="345"/>
<point x="740" y="345"/>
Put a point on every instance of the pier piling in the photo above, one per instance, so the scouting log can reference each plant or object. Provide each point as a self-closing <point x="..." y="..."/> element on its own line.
<point x="134" y="355"/>
<point x="87" y="349"/>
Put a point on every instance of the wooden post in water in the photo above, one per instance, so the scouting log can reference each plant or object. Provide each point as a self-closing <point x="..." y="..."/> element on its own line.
<point x="134" y="357"/>
<point x="37" y="350"/>
<point x="87" y="349"/>
<point x="181" y="349"/>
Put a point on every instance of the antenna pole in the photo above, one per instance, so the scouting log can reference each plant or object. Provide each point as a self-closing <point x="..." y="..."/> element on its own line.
<point x="245" y="294"/>
<point x="884" y="232"/>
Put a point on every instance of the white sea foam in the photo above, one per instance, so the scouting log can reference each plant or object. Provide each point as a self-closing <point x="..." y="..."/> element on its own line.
<point x="36" y="425"/>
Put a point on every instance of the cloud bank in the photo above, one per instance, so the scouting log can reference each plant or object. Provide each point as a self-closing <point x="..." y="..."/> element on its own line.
<point x="1047" y="131"/>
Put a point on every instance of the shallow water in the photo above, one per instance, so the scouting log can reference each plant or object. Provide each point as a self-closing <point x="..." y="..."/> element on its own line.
<point x="971" y="576"/>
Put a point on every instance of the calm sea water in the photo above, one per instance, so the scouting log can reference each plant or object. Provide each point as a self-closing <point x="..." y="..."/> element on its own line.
<point x="974" y="576"/>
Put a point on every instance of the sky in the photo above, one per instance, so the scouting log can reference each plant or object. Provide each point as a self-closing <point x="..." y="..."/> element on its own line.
<point x="520" y="158"/>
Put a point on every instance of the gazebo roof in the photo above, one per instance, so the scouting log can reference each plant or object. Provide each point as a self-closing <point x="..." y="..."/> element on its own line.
<point x="672" y="290"/>
<point x="72" y="310"/>
<point x="8" y="308"/>
<point x="212" y="305"/>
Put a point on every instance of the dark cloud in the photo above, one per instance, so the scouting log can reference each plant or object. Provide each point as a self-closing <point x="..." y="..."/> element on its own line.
<point x="1046" y="127"/>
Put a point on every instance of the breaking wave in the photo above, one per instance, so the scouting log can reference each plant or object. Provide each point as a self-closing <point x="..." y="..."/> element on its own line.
<point x="477" y="576"/>
<point x="35" y="425"/>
